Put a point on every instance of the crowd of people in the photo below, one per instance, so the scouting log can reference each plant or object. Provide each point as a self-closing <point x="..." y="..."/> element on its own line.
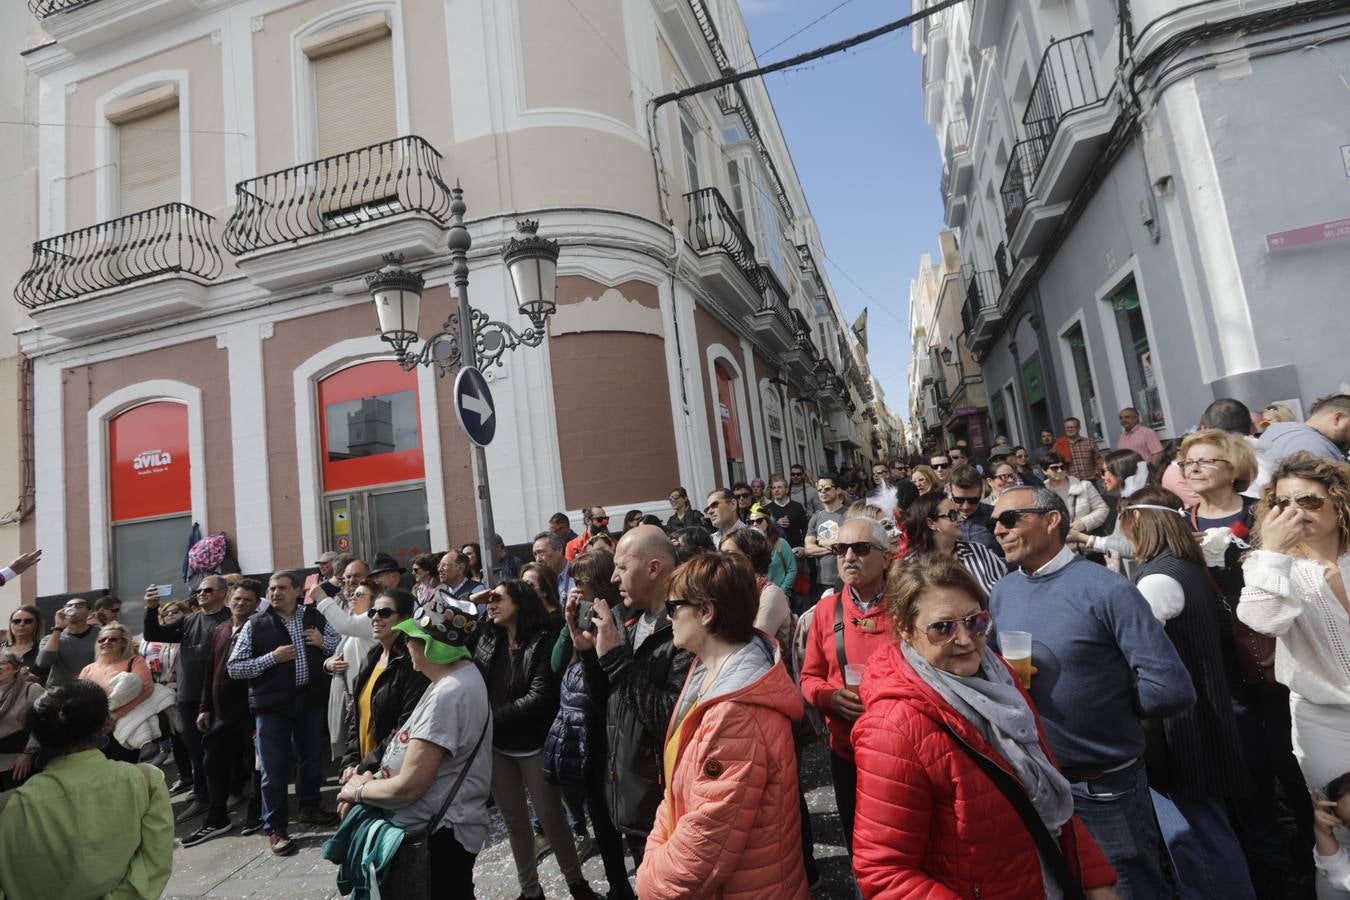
<point x="1059" y="673"/>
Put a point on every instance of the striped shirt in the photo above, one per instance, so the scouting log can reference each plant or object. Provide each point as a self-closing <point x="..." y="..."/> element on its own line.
<point x="981" y="562"/>
<point x="243" y="664"/>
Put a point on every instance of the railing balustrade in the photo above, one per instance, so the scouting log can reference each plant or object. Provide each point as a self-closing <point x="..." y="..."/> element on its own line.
<point x="173" y="238"/>
<point x="340" y="191"/>
<point x="714" y="226"/>
<point x="44" y="8"/>
<point x="1020" y="175"/>
<point x="981" y="291"/>
<point x="1064" y="82"/>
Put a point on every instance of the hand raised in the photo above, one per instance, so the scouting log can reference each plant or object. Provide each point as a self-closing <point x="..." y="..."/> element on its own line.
<point x="607" y="635"/>
<point x="581" y="640"/>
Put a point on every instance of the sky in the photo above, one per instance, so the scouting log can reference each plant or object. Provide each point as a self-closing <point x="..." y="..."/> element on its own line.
<point x="866" y="158"/>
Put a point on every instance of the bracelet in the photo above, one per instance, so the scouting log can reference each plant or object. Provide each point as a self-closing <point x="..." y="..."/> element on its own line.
<point x="359" y="788"/>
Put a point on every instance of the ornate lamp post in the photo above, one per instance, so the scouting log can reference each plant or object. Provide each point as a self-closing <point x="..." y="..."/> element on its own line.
<point x="468" y="337"/>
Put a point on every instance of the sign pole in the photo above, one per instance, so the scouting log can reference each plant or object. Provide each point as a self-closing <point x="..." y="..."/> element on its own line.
<point x="459" y="244"/>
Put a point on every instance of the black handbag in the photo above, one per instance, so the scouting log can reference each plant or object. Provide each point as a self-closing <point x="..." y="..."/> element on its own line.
<point x="409" y="876"/>
<point x="1051" y="853"/>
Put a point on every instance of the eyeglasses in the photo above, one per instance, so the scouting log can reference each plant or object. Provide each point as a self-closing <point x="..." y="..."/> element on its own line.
<point x="1055" y="467"/>
<point x="1310" y="502"/>
<point x="860" y="549"/>
<point x="965" y="501"/>
<point x="950" y="515"/>
<point x="581" y="581"/>
<point x="759" y="520"/>
<point x="944" y="632"/>
<point x="824" y="486"/>
<point x="1199" y="463"/>
<point x="742" y="495"/>
<point x="599" y="518"/>
<point x="23" y="621"/>
<point x="1010" y="517"/>
<point x="672" y="605"/>
<point x="674" y="497"/>
<point x="1006" y="478"/>
<point x="940" y="466"/>
<point x="376" y="612"/>
<point x="110" y="640"/>
<point x="796" y="474"/>
<point x="715" y="505"/>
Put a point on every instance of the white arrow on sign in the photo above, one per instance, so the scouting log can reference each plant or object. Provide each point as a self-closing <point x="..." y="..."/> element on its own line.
<point x="477" y="404"/>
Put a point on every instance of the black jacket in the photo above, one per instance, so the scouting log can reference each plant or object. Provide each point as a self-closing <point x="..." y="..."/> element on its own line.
<point x="392" y="701"/>
<point x="642" y="687"/>
<point x="192" y="634"/>
<point x="690" y="519"/>
<point x="568" y="750"/>
<point x="523" y="691"/>
<point x="275" y="689"/>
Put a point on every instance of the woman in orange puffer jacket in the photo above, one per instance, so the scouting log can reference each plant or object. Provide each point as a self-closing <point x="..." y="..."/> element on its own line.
<point x="930" y="823"/>
<point x="728" y="826"/>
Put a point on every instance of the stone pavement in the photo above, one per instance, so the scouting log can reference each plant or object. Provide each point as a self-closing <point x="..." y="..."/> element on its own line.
<point x="236" y="866"/>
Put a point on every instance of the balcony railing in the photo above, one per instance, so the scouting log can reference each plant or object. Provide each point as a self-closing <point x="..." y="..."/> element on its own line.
<point x="1026" y="160"/>
<point x="1065" y="82"/>
<point x="981" y="291"/>
<point x="775" y="297"/>
<point x="1004" y="263"/>
<point x="44" y="8"/>
<point x="957" y="137"/>
<point x="173" y="238"/>
<point x="713" y="226"/>
<point x="353" y="188"/>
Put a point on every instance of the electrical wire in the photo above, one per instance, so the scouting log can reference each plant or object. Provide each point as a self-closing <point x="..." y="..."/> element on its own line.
<point x="809" y="25"/>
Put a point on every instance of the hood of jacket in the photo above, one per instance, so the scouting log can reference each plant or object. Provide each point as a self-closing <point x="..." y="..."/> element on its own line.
<point x="750" y="677"/>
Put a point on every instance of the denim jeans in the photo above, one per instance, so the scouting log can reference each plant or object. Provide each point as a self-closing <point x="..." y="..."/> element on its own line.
<point x="301" y="726"/>
<point x="192" y="743"/>
<point x="1205" y="851"/>
<point x="1118" y="812"/>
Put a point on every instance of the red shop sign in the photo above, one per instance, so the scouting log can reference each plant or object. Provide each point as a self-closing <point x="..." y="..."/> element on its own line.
<point x="148" y="459"/>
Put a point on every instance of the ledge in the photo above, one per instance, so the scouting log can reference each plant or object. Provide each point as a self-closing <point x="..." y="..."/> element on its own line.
<point x="116" y="309"/>
<point x="335" y="255"/>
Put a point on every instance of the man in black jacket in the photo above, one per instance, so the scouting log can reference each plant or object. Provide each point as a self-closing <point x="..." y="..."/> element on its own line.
<point x="193" y="635"/>
<point x="636" y="665"/>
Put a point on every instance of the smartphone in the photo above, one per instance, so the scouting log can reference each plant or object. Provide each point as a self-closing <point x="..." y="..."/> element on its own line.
<point x="165" y="591"/>
<point x="585" y="615"/>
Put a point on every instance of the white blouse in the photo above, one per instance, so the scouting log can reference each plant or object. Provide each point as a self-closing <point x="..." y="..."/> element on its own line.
<point x="1290" y="599"/>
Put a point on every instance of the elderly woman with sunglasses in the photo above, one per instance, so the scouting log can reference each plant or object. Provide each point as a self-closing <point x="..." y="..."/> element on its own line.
<point x="1087" y="509"/>
<point x="1296" y="591"/>
<point x="933" y="524"/>
<point x="113" y="655"/>
<point x="944" y="716"/>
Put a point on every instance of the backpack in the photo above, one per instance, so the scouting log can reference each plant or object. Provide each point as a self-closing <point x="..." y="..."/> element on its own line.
<point x="208" y="553"/>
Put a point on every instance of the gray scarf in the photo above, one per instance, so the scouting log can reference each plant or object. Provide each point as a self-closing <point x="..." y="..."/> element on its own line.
<point x="993" y="704"/>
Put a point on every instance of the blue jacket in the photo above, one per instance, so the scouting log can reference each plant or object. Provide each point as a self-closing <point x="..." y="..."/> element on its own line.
<point x="567" y="749"/>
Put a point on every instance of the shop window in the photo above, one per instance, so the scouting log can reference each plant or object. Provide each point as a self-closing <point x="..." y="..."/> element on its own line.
<point x="1138" y="355"/>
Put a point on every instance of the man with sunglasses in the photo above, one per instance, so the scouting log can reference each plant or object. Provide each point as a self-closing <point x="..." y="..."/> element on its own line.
<point x="941" y="463"/>
<point x="597" y="522"/>
<point x="71" y="644"/>
<point x="846" y="627"/>
<point x="802" y="491"/>
<point x="193" y="633"/>
<point x="966" y="490"/>
<point x="821" y="533"/>
<point x="745" y="498"/>
<point x="723" y="514"/>
<point x="1102" y="662"/>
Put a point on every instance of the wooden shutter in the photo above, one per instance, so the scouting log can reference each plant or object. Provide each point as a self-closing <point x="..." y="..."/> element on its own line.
<point x="148" y="163"/>
<point x="354" y="96"/>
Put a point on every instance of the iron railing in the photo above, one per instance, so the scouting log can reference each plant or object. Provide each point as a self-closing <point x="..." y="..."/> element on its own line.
<point x="981" y="291"/>
<point x="957" y="138"/>
<point x="173" y="238"/>
<point x="714" y="226"/>
<point x="1020" y="175"/>
<point x="352" y="188"/>
<point x="44" y="8"/>
<point x="945" y="183"/>
<point x="1064" y="82"/>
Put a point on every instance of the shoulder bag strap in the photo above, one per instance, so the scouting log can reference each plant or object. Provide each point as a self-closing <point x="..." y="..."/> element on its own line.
<point x="463" y="773"/>
<point x="839" y="629"/>
<point x="1051" y="853"/>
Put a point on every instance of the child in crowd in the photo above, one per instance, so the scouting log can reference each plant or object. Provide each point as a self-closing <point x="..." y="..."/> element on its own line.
<point x="1330" y="812"/>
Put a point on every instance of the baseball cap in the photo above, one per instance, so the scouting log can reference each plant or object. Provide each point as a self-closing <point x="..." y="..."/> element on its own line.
<point x="326" y="557"/>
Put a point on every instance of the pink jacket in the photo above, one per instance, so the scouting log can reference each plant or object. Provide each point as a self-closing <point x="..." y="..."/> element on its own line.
<point x="733" y="793"/>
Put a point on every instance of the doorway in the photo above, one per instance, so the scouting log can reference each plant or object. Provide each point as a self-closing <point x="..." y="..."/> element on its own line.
<point x="389" y="520"/>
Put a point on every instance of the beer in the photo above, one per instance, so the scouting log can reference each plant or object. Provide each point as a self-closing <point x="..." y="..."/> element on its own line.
<point x="1016" y="646"/>
<point x="1022" y="666"/>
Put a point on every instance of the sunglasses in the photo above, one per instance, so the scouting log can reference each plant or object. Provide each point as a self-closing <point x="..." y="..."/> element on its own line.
<point x="23" y="621"/>
<point x="1010" y="517"/>
<point x="674" y="497"/>
<point x="950" y="515"/>
<point x="110" y="640"/>
<point x="797" y="474"/>
<point x="944" y="632"/>
<point x="599" y="518"/>
<point x="741" y="495"/>
<point x="940" y="466"/>
<point x="966" y="501"/>
<point x="860" y="549"/>
<point x="758" y="520"/>
<point x="1055" y="467"/>
<point x="376" y="612"/>
<point x="204" y="590"/>
<point x="672" y="605"/>
<point x="714" y="506"/>
<point x="1310" y="502"/>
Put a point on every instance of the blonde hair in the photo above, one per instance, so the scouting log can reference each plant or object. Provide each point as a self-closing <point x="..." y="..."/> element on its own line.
<point x="934" y="482"/>
<point x="1332" y="475"/>
<point x="128" y="645"/>
<point x="1235" y="447"/>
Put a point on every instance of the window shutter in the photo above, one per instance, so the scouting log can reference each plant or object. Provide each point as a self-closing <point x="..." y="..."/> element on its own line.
<point x="354" y="97"/>
<point x="148" y="161"/>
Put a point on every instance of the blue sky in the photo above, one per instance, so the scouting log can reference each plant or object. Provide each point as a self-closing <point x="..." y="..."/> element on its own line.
<point x="867" y="159"/>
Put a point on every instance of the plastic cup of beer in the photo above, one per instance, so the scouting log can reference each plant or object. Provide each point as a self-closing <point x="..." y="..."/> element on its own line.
<point x="853" y="675"/>
<point x="1017" y="651"/>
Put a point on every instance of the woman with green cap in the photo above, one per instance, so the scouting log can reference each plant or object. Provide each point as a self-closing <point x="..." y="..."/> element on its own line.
<point x="438" y="750"/>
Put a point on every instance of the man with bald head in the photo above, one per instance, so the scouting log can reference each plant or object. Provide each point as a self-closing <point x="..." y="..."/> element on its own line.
<point x="630" y="657"/>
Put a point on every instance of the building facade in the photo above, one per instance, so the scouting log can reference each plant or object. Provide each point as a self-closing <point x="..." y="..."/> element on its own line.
<point x="1151" y="199"/>
<point x="221" y="175"/>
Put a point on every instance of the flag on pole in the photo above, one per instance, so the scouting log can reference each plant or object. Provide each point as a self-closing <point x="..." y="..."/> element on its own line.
<point x="860" y="329"/>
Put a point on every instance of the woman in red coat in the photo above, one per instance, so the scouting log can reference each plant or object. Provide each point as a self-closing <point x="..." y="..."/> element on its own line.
<point x="930" y="823"/>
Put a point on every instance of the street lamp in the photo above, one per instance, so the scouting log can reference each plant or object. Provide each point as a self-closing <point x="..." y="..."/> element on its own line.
<point x="468" y="336"/>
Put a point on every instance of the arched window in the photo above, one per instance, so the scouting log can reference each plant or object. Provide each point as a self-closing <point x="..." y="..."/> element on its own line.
<point x="372" y="467"/>
<point x="729" y="416"/>
<point x="773" y="424"/>
<point x="150" y="490"/>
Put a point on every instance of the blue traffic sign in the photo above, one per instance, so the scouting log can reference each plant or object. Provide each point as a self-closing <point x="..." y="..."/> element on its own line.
<point x="473" y="406"/>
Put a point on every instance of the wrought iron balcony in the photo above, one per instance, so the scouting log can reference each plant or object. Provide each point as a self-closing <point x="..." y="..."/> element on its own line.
<point x="44" y="8"/>
<point x="713" y="226"/>
<point x="1065" y="82"/>
<point x="775" y="298"/>
<point x="981" y="294"/>
<point x="1020" y="175"/>
<point x="173" y="238"/>
<point x="337" y="192"/>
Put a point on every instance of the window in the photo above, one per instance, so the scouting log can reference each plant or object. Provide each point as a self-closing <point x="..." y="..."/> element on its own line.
<point x="148" y="148"/>
<point x="728" y="414"/>
<point x="689" y="143"/>
<point x="1134" y="347"/>
<point x="353" y="72"/>
<point x="1082" y="372"/>
<point x="736" y="187"/>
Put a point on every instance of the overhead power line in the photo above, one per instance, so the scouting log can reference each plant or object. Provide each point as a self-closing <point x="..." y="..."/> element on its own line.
<point x="800" y="58"/>
<point x="809" y="25"/>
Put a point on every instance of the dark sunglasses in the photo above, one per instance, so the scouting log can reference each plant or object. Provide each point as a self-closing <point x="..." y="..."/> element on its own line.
<point x="950" y="515"/>
<point x="23" y="621"/>
<point x="376" y="612"/>
<point x="599" y="518"/>
<point x="672" y="605"/>
<point x="1055" y="467"/>
<point x="741" y="496"/>
<point x="1010" y="517"/>
<point x="966" y="501"/>
<point x="944" y="632"/>
<point x="1310" y="502"/>
<point x="860" y="549"/>
<point x="941" y="466"/>
<point x="757" y="520"/>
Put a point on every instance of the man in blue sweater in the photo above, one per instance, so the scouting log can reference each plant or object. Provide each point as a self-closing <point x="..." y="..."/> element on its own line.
<point x="1103" y="662"/>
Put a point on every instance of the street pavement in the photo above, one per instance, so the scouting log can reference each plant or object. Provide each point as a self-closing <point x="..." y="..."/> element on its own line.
<point x="237" y="866"/>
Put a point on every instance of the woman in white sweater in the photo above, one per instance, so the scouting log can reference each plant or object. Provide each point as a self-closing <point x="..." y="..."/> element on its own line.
<point x="1296" y="590"/>
<point x="1087" y="509"/>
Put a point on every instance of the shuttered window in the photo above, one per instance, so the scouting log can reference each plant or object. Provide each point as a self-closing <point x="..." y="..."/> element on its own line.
<point x="354" y="95"/>
<point x="148" y="163"/>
